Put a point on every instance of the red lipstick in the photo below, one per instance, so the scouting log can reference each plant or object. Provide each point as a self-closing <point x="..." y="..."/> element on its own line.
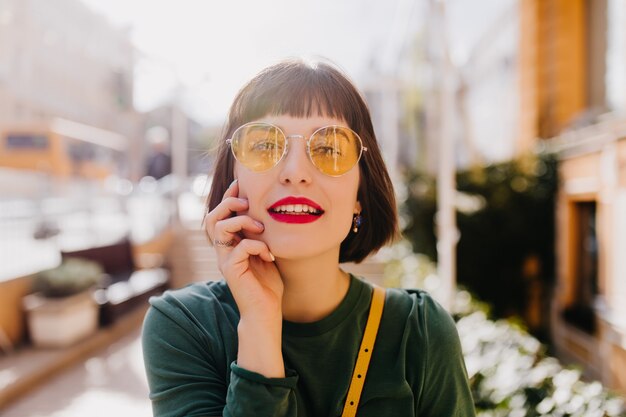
<point x="295" y="210"/>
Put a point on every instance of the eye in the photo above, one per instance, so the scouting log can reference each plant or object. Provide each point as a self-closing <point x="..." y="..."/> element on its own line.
<point x="326" y="150"/>
<point x="264" y="145"/>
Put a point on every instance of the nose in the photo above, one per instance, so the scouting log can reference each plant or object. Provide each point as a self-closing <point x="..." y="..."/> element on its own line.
<point x="295" y="168"/>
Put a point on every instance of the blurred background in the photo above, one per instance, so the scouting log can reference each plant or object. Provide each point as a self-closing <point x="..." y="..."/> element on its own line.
<point x="503" y="124"/>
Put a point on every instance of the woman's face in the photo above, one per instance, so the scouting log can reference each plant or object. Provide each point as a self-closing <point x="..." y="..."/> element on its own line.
<point x="297" y="235"/>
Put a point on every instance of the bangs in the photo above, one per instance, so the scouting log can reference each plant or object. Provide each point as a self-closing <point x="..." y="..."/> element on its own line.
<point x="299" y="91"/>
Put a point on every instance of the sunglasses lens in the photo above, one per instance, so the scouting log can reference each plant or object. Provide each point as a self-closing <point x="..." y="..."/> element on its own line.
<point x="258" y="146"/>
<point x="335" y="150"/>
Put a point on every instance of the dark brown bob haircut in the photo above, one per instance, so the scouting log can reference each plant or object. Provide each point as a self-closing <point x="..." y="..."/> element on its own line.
<point x="300" y="88"/>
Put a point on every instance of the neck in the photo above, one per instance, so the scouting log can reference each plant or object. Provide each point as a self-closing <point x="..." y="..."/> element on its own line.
<point x="313" y="287"/>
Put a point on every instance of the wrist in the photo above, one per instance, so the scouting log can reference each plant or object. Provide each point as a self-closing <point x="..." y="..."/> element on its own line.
<point x="253" y="320"/>
<point x="267" y="331"/>
<point x="260" y="348"/>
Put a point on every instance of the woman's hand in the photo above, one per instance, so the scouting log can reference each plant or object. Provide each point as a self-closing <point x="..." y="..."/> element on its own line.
<point x="247" y="264"/>
<point x="249" y="269"/>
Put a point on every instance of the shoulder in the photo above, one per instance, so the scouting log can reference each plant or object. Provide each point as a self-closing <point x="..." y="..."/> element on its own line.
<point x="198" y="308"/>
<point x="416" y="304"/>
<point x="425" y="321"/>
<point x="432" y="350"/>
<point x="188" y="342"/>
<point x="186" y="300"/>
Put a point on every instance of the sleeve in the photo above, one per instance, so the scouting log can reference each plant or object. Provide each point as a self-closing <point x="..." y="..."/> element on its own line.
<point x="181" y="373"/>
<point x="445" y="389"/>
<point x="185" y="381"/>
<point x="267" y="396"/>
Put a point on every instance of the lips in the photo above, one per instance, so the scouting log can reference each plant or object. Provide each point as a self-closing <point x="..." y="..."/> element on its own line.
<point x="295" y="210"/>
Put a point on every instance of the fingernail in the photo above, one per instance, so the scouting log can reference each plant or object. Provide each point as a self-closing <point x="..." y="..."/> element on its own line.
<point x="272" y="256"/>
<point x="259" y="224"/>
<point x="233" y="183"/>
<point x="244" y="200"/>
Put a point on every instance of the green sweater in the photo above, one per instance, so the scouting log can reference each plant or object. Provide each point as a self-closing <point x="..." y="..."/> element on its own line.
<point x="417" y="368"/>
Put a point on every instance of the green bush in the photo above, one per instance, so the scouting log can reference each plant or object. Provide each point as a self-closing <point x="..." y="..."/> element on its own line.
<point x="505" y="216"/>
<point x="71" y="277"/>
<point x="510" y="373"/>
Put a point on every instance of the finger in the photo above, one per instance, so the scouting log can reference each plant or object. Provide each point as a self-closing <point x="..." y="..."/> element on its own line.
<point x="223" y="210"/>
<point x="229" y="229"/>
<point x="232" y="190"/>
<point x="226" y="208"/>
<point x="250" y="247"/>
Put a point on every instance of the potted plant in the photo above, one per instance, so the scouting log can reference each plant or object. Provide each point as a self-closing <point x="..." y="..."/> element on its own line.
<point x="62" y="310"/>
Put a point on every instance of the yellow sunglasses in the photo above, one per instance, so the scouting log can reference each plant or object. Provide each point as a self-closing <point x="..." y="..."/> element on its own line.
<point x="333" y="150"/>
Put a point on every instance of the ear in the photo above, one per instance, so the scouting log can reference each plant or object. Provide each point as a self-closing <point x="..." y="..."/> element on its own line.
<point x="357" y="207"/>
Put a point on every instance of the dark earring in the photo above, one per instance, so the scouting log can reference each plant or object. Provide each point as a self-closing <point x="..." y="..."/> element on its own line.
<point x="356" y="222"/>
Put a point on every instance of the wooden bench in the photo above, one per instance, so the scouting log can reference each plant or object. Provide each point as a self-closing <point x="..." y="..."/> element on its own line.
<point x="126" y="287"/>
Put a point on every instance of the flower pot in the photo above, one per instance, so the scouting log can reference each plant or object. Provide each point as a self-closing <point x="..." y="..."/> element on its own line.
<point x="61" y="322"/>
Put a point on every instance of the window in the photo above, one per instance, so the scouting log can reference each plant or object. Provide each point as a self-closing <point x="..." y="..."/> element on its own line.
<point x="26" y="141"/>
<point x="580" y="312"/>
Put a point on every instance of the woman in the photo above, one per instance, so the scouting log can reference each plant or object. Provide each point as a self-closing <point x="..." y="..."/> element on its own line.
<point x="299" y="187"/>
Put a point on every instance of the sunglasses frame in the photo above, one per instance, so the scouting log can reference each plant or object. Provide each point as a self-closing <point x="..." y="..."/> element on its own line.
<point x="286" y="150"/>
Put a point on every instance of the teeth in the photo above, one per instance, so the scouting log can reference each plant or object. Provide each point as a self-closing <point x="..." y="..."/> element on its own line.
<point x="295" y="208"/>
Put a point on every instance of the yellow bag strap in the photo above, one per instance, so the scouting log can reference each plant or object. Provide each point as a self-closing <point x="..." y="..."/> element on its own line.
<point x="365" y="353"/>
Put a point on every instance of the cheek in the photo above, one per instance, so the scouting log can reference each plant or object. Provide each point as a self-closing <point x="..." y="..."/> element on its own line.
<point x="242" y="185"/>
<point x="345" y="197"/>
<point x="245" y="181"/>
<point x="252" y="187"/>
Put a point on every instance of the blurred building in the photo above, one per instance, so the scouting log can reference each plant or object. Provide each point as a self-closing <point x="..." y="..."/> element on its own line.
<point x="391" y="88"/>
<point x="551" y="74"/>
<point x="393" y="93"/>
<point x="175" y="122"/>
<point x="383" y="95"/>
<point x="482" y="61"/>
<point x="573" y="83"/>
<point x="66" y="119"/>
<point x="402" y="87"/>
<point x="61" y="60"/>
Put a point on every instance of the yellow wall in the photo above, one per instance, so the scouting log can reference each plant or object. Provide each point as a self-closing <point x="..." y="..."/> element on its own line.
<point x="552" y="66"/>
<point x="11" y="316"/>
<point x="528" y="73"/>
<point x="568" y="52"/>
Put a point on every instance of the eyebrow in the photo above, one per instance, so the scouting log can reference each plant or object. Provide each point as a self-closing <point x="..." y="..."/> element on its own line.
<point x="315" y="129"/>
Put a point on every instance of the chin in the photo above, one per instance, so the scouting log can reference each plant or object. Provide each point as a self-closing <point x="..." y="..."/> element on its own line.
<point x="301" y="247"/>
<point x="291" y="248"/>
